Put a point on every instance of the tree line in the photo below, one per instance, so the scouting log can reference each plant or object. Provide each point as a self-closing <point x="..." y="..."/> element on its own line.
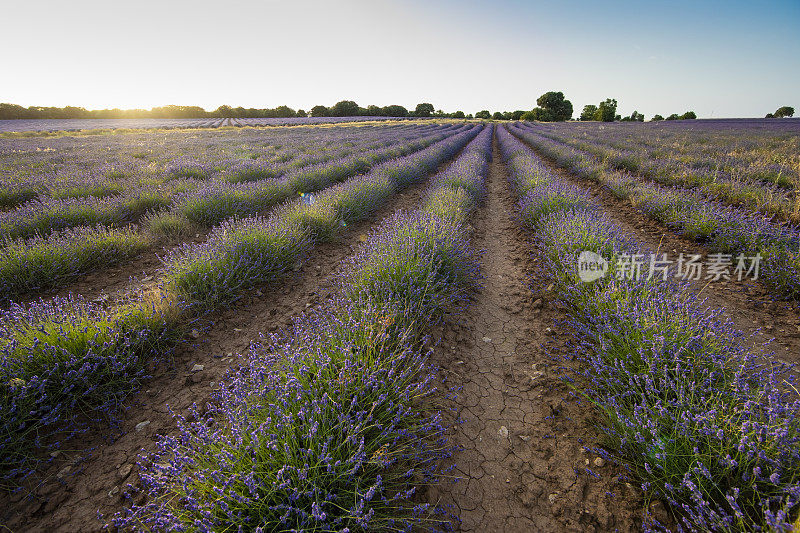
<point x="345" y="108"/>
<point x="552" y="106"/>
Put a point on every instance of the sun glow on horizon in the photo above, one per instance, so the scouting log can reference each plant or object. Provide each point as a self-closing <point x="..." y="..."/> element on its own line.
<point x="457" y="55"/>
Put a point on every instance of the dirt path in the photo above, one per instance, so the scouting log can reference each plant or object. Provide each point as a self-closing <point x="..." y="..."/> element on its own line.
<point x="748" y="303"/>
<point x="522" y="463"/>
<point x="98" y="482"/>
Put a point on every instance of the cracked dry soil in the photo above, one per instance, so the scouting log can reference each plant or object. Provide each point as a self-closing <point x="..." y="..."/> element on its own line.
<point x="522" y="464"/>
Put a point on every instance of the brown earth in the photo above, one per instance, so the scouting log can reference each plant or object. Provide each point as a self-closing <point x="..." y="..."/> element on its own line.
<point x="524" y="439"/>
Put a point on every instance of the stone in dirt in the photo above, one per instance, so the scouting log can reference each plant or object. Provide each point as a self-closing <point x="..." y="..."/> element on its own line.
<point x="141" y="425"/>
<point x="63" y="472"/>
<point x="198" y="368"/>
<point x="503" y="432"/>
<point x="125" y="470"/>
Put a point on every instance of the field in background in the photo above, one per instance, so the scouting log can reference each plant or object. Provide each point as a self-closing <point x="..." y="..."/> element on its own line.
<point x="34" y="125"/>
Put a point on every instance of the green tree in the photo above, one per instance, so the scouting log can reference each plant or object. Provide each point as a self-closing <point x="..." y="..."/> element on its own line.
<point x="301" y="113"/>
<point x="395" y="111"/>
<point x="673" y="116"/>
<point x="224" y="111"/>
<point x="785" y="111"/>
<point x="458" y="114"/>
<point x="319" y="111"/>
<point x="484" y="114"/>
<point x="344" y="108"/>
<point x="423" y="110"/>
<point x="588" y="112"/>
<point x="498" y="115"/>
<point x="689" y="115"/>
<point x="537" y="113"/>
<point x="283" y="111"/>
<point x="557" y="107"/>
<point x="606" y="111"/>
<point x="656" y="118"/>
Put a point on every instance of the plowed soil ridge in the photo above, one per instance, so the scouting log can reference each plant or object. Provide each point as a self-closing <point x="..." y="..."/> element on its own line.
<point x="523" y="437"/>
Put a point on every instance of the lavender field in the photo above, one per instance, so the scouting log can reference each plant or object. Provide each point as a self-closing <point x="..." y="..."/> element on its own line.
<point x="75" y="125"/>
<point x="369" y="326"/>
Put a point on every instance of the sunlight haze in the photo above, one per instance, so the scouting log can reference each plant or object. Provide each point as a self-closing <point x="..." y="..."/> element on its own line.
<point x="721" y="59"/>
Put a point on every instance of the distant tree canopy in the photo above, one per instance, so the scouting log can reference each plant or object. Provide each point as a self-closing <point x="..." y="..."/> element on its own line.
<point x="551" y="107"/>
<point x="781" y="112"/>
<point x="588" y="112"/>
<point x="484" y="114"/>
<point x="423" y="110"/>
<point x="656" y="118"/>
<point x="555" y="105"/>
<point x="344" y="108"/>
<point x="394" y="111"/>
<point x="635" y="117"/>
<point x="319" y="111"/>
<point x="689" y="115"/>
<point x="606" y="111"/>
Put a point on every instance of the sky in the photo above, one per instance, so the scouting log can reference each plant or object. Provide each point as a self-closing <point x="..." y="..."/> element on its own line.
<point x="719" y="58"/>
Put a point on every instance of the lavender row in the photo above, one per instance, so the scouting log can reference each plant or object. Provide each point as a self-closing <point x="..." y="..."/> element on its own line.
<point x="236" y="254"/>
<point x="728" y="186"/>
<point x="56" y="125"/>
<point x="41" y="216"/>
<point x="708" y="150"/>
<point x="106" y="165"/>
<point x="220" y="200"/>
<point x="722" y="228"/>
<point x="326" y="428"/>
<point x="44" y="262"/>
<point x="68" y="356"/>
<point x="689" y="412"/>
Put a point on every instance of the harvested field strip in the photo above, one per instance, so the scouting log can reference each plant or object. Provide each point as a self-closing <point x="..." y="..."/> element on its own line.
<point x="688" y="410"/>
<point x="84" y="357"/>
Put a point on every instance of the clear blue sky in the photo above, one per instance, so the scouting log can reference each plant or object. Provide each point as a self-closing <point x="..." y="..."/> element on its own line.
<point x="718" y="58"/>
